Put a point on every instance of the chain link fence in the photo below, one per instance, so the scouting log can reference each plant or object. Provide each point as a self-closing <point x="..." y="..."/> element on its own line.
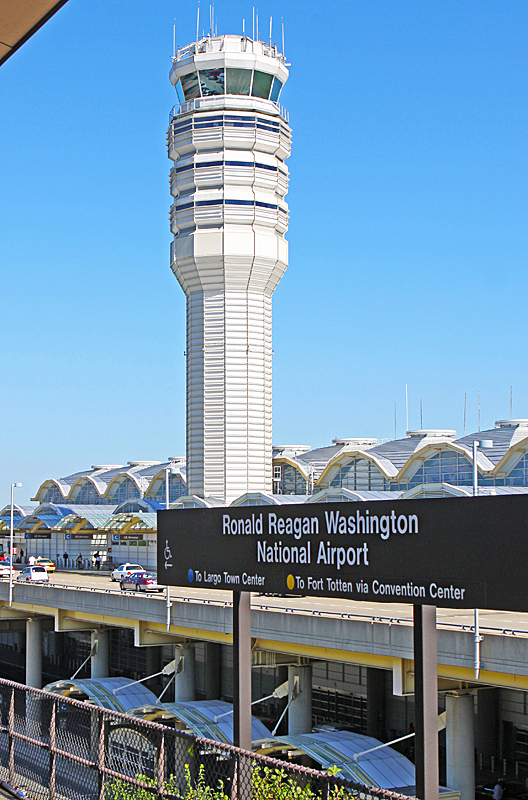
<point x="56" y="748"/>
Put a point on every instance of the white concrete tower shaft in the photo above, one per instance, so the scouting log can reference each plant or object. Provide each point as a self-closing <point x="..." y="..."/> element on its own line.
<point x="229" y="139"/>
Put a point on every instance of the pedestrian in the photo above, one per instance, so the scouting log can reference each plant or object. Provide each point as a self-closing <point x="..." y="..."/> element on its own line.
<point x="65" y="557"/>
<point x="498" y="790"/>
<point x="98" y="560"/>
<point x="32" y="561"/>
<point x="79" y="561"/>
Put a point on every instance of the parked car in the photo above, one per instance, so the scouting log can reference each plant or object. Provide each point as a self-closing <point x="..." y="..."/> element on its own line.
<point x="34" y="574"/>
<point x="5" y="569"/>
<point x="125" y="570"/>
<point x="47" y="563"/>
<point x="141" y="582"/>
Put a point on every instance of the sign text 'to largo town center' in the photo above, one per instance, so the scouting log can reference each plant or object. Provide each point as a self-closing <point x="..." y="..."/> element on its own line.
<point x="455" y="552"/>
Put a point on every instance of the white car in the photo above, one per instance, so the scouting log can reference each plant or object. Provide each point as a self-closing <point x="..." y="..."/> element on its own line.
<point x="34" y="574"/>
<point x="125" y="570"/>
<point x="4" y="570"/>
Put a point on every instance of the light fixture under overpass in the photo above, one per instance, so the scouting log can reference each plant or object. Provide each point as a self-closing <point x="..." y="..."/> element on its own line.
<point x="20" y="19"/>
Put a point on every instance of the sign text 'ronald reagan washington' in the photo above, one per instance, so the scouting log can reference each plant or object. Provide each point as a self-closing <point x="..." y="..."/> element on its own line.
<point x="461" y="552"/>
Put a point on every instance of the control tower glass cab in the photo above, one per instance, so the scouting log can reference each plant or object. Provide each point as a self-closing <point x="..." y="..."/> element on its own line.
<point x="229" y="139"/>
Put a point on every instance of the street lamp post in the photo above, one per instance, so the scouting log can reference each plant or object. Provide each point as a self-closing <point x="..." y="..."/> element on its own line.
<point x="13" y="487"/>
<point x="477" y="638"/>
<point x="169" y="470"/>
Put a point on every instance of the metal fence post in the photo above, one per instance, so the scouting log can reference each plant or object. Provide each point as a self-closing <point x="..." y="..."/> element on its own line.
<point x="101" y="754"/>
<point x="52" y="757"/>
<point x="11" y="738"/>
<point x="161" y="767"/>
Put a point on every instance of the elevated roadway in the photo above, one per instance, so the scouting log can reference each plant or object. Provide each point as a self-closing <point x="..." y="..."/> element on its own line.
<point x="283" y="628"/>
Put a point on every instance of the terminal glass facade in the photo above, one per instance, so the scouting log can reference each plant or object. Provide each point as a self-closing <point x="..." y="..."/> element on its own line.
<point x="359" y="474"/>
<point x="176" y="490"/>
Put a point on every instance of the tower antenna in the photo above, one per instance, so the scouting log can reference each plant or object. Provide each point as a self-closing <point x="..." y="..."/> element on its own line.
<point x="198" y="21"/>
<point x="271" y="20"/>
<point x="253" y="23"/>
<point x="243" y="28"/>
<point x="174" y="41"/>
<point x="421" y="418"/>
<point x="406" y="408"/>
<point x="257" y="27"/>
<point x="395" y="435"/>
<point x="210" y="19"/>
<point x="282" y="37"/>
<point x="479" y="412"/>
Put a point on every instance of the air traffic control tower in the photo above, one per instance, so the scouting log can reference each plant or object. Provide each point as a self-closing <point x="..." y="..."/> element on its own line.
<point x="229" y="138"/>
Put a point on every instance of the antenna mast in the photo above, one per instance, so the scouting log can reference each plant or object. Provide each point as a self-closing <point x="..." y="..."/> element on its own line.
<point x="253" y="23"/>
<point x="174" y="41"/>
<point x="406" y="408"/>
<point x="271" y="20"/>
<point x="198" y="21"/>
<point x="282" y="37"/>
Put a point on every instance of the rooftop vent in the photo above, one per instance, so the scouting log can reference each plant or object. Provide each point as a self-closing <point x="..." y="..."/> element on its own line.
<point x="360" y="444"/>
<point x="106" y="466"/>
<point x="292" y="449"/>
<point x="143" y="463"/>
<point x="432" y="433"/>
<point x="511" y="423"/>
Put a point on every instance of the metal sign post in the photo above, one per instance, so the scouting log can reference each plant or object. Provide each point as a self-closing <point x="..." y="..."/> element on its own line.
<point x="426" y="702"/>
<point x="242" y="670"/>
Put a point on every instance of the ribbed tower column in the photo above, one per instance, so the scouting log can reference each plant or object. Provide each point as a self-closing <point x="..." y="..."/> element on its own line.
<point x="229" y="141"/>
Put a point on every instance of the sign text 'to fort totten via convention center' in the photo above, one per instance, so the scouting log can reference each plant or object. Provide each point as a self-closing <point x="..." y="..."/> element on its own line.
<point x="455" y="552"/>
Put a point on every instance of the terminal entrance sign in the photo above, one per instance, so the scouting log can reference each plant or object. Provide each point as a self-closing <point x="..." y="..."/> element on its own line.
<point x="450" y="552"/>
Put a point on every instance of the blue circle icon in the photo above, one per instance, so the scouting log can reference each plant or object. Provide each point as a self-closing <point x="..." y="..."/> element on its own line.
<point x="190" y="575"/>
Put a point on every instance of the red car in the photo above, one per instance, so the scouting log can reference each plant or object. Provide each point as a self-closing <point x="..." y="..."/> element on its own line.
<point x="141" y="582"/>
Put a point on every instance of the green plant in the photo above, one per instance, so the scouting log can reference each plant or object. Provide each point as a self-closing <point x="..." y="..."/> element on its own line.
<point x="121" y="790"/>
<point x="274" y="784"/>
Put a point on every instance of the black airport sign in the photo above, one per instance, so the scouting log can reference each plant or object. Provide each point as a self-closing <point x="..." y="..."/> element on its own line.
<point x="451" y="552"/>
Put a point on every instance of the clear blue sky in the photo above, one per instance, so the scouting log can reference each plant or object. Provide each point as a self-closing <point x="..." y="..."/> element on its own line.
<point x="408" y="230"/>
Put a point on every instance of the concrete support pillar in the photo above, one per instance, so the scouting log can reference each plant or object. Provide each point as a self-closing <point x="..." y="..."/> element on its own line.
<point x="213" y="670"/>
<point x="460" y="745"/>
<point x="376" y="703"/>
<point x="184" y="680"/>
<point x="100" y="661"/>
<point x="34" y="653"/>
<point x="300" y="710"/>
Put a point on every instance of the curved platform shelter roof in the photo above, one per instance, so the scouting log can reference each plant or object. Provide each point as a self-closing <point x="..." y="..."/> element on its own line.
<point x="198" y="717"/>
<point x="383" y="769"/>
<point x="105" y="692"/>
